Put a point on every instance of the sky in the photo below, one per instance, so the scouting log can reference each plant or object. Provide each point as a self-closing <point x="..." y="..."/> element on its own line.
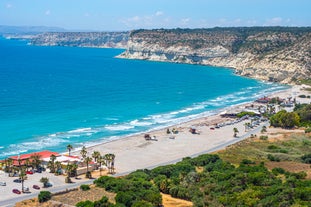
<point x="120" y="15"/>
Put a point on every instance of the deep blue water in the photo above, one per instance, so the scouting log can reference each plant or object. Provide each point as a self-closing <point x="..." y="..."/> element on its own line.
<point x="53" y="96"/>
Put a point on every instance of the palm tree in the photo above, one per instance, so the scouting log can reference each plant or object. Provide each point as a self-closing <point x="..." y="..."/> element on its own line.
<point x="235" y="132"/>
<point x="96" y="155"/>
<point x="110" y="162"/>
<point x="264" y="129"/>
<point x="100" y="161"/>
<point x="69" y="169"/>
<point x="51" y="164"/>
<point x="247" y="125"/>
<point x="58" y="166"/>
<point x="9" y="166"/>
<point x="83" y="152"/>
<point x="87" y="161"/>
<point x="36" y="160"/>
<point x="69" y="148"/>
<point x="22" y="176"/>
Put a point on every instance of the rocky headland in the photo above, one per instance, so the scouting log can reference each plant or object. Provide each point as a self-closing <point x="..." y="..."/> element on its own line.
<point x="82" y="39"/>
<point x="280" y="54"/>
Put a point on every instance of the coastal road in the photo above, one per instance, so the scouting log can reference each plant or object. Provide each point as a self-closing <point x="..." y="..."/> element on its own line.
<point x="11" y="202"/>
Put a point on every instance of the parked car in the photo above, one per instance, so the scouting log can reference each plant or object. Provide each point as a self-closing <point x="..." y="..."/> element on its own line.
<point x="17" y="180"/>
<point x="36" y="187"/>
<point x="29" y="172"/>
<point x="16" y="191"/>
<point x="48" y="185"/>
<point x="2" y="183"/>
<point x="26" y="190"/>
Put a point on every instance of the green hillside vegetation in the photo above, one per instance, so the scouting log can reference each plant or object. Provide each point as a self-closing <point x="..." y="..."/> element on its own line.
<point x="210" y="180"/>
<point x="301" y="116"/>
<point x="245" y="174"/>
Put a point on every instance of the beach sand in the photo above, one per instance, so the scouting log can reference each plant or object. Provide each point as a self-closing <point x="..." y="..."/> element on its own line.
<point x="135" y="152"/>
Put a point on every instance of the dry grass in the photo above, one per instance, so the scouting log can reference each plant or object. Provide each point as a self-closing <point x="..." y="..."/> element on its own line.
<point x="70" y="198"/>
<point x="169" y="201"/>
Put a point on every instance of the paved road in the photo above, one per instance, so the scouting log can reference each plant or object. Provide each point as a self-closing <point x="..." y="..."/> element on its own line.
<point x="11" y="202"/>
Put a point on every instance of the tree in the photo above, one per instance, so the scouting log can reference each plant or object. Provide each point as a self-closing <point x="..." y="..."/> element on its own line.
<point x="264" y="129"/>
<point x="110" y="162"/>
<point x="285" y="119"/>
<point x="22" y="176"/>
<point x="51" y="164"/>
<point x="69" y="169"/>
<point x="44" y="196"/>
<point x="87" y="161"/>
<point x="96" y="155"/>
<point x="58" y="167"/>
<point x="69" y="148"/>
<point x="35" y="161"/>
<point x="45" y="181"/>
<point x="235" y="132"/>
<point x="83" y="152"/>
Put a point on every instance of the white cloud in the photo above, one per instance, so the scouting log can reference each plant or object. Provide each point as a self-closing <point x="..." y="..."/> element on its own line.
<point x="159" y="13"/>
<point x="185" y="21"/>
<point x="8" y="6"/>
<point x="47" y="12"/>
<point x="276" y="21"/>
<point x="154" y="20"/>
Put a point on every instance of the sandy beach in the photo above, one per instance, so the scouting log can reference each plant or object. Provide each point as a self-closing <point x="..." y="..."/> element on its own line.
<point x="137" y="153"/>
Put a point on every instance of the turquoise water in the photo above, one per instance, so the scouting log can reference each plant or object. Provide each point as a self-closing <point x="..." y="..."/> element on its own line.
<point x="53" y="96"/>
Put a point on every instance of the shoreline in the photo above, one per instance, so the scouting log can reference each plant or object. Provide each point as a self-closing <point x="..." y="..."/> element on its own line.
<point x="211" y="113"/>
<point x="134" y="152"/>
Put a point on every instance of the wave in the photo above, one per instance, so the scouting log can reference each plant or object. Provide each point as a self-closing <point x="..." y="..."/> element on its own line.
<point x="89" y="136"/>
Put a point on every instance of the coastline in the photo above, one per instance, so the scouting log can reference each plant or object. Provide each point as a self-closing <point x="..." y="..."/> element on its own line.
<point x="134" y="152"/>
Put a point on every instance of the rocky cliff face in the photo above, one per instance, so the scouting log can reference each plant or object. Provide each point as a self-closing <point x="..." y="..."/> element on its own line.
<point x="82" y="39"/>
<point x="278" y="54"/>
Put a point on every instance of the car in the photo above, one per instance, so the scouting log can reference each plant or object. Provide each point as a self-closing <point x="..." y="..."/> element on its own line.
<point x="29" y="172"/>
<point x="26" y="190"/>
<point x="16" y="191"/>
<point x="48" y="185"/>
<point x="17" y="180"/>
<point x="2" y="183"/>
<point x="36" y="187"/>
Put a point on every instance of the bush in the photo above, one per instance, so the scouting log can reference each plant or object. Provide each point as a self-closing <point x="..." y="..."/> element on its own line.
<point x="86" y="203"/>
<point x="308" y="130"/>
<point x="306" y="158"/>
<point x="285" y="119"/>
<point x="142" y="204"/>
<point x="263" y="137"/>
<point x="44" y="196"/>
<point x="84" y="187"/>
<point x="247" y="162"/>
<point x="278" y="170"/>
<point x="273" y="158"/>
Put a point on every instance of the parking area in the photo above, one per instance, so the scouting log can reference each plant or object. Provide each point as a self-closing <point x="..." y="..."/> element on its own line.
<point x="34" y="179"/>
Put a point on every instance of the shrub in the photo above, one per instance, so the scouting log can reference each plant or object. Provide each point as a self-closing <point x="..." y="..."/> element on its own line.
<point x="306" y="158"/>
<point x="278" y="170"/>
<point x="273" y="158"/>
<point x="247" y="162"/>
<point x="84" y="187"/>
<point x="86" y="203"/>
<point x="142" y="204"/>
<point x="308" y="130"/>
<point x="263" y="137"/>
<point x="44" y="196"/>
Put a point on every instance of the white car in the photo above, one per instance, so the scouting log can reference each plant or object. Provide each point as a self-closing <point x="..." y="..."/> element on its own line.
<point x="26" y="190"/>
<point x="2" y="183"/>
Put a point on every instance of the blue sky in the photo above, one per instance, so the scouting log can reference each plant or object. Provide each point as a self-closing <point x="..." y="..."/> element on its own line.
<point x="109" y="15"/>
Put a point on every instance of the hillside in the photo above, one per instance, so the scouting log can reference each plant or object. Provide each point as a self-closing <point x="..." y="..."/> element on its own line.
<point x="82" y="39"/>
<point x="281" y="54"/>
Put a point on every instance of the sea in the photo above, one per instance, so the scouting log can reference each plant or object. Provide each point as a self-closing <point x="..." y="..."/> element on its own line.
<point x="54" y="96"/>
